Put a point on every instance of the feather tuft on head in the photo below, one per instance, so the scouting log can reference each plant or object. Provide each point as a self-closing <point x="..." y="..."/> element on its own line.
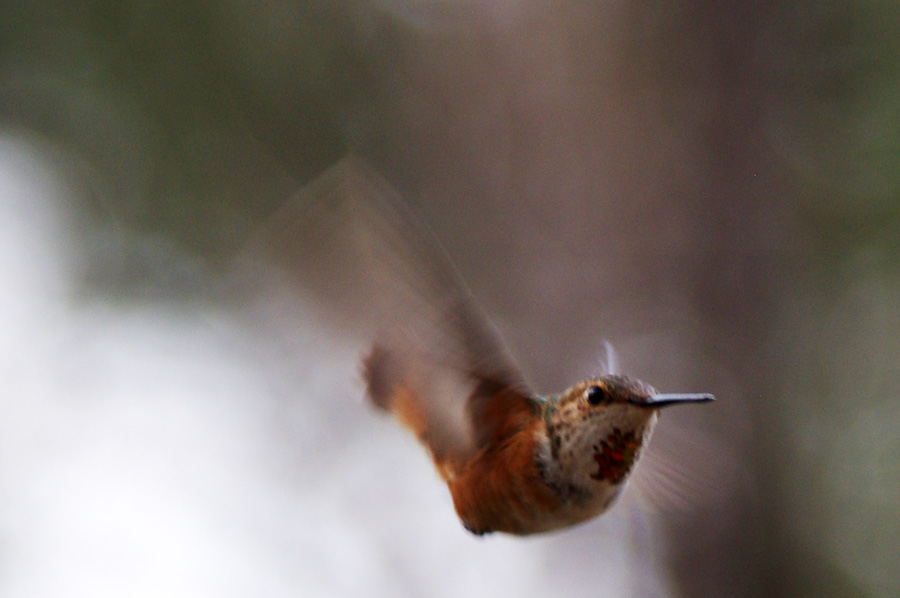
<point x="609" y="361"/>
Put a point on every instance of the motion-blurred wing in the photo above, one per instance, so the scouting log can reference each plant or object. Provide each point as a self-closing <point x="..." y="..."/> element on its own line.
<point x="682" y="470"/>
<point x="436" y="362"/>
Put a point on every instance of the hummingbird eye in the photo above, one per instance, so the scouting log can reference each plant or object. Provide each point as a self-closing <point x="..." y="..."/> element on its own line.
<point x="597" y="395"/>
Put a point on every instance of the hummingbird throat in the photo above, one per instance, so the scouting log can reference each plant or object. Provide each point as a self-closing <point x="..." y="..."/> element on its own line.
<point x="615" y="455"/>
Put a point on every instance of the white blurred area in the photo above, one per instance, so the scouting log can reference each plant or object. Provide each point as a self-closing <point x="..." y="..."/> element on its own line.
<point x="171" y="448"/>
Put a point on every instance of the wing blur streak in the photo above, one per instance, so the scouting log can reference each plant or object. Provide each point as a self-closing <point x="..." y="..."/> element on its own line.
<point x="436" y="361"/>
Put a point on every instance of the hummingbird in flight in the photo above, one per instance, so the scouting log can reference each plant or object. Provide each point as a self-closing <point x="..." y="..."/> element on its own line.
<point x="514" y="460"/>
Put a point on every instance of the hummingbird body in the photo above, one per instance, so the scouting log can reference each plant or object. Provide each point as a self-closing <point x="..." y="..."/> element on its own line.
<point x="514" y="461"/>
<point x="542" y="463"/>
<point x="564" y="466"/>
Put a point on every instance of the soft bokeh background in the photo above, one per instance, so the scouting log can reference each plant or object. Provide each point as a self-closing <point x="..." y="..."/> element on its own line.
<point x="713" y="187"/>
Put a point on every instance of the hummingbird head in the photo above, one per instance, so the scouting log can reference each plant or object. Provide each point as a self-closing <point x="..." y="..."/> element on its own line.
<point x="596" y="430"/>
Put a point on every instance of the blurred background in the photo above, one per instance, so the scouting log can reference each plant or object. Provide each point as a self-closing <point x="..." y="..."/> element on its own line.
<point x="712" y="187"/>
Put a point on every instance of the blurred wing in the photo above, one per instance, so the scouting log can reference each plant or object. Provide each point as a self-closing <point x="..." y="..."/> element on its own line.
<point x="436" y="362"/>
<point x="682" y="470"/>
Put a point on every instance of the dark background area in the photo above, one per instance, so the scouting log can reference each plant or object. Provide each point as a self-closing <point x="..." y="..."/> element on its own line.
<point x="713" y="187"/>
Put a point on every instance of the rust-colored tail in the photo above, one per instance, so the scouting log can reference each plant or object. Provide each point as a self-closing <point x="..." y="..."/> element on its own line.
<point x="454" y="421"/>
<point x="387" y="386"/>
<point x="379" y="376"/>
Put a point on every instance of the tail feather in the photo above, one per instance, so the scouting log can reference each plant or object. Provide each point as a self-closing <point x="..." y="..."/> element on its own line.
<point x="380" y="376"/>
<point x="387" y="386"/>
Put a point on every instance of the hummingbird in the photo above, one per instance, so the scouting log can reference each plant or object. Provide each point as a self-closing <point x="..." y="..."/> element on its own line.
<point x="528" y="464"/>
<point x="514" y="460"/>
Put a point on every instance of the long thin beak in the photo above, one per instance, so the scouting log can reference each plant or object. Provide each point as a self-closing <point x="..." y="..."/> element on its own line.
<point x="663" y="400"/>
